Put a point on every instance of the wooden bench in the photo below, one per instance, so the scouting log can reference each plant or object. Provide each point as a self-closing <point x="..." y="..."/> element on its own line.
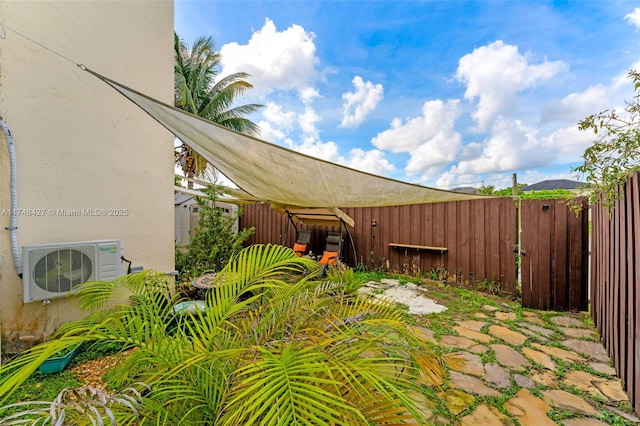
<point x="417" y="247"/>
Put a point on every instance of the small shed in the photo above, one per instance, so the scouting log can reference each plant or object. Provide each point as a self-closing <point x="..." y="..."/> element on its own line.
<point x="187" y="214"/>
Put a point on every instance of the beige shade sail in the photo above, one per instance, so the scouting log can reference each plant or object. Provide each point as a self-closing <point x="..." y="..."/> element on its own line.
<point x="270" y="173"/>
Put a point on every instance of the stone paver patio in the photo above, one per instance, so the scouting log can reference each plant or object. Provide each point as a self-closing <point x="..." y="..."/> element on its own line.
<point x="528" y="368"/>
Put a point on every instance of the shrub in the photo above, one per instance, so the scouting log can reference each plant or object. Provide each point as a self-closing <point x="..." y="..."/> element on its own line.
<point x="215" y="240"/>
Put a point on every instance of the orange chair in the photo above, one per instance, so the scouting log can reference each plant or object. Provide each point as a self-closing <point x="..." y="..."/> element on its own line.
<point x="302" y="241"/>
<point x="332" y="249"/>
<point x="299" y="249"/>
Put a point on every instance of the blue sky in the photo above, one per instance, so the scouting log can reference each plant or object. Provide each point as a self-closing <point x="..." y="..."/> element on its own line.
<point x="440" y="93"/>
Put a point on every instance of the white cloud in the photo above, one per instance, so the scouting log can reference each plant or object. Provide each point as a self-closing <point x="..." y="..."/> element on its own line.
<point x="282" y="119"/>
<point x="511" y="146"/>
<point x="372" y="161"/>
<point x="633" y="18"/>
<point x="431" y="139"/>
<point x="621" y="85"/>
<point x="451" y="180"/>
<point x="495" y="74"/>
<point x="308" y="94"/>
<point x="433" y="154"/>
<point x="276" y="60"/>
<point x="567" y="144"/>
<point x="575" y="106"/>
<point x="470" y="151"/>
<point x="437" y="118"/>
<point x="270" y="133"/>
<point x="277" y="123"/>
<point x="308" y="120"/>
<point x="359" y="103"/>
<point x="280" y="124"/>
<point x="324" y="150"/>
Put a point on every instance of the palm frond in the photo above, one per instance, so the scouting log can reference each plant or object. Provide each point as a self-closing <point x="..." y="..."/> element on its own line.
<point x="282" y="386"/>
<point x="86" y="405"/>
<point x="147" y="284"/>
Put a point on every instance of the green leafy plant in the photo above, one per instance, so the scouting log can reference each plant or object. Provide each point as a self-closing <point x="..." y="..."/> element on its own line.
<point x="560" y="414"/>
<point x="439" y="273"/>
<point x="613" y="419"/>
<point x="265" y="350"/>
<point x="486" y="189"/>
<point x="548" y="194"/>
<point x="347" y="277"/>
<point x="371" y="275"/>
<point x="215" y="240"/>
<point x="42" y="387"/>
<point x="508" y="192"/>
<point x="402" y="280"/>
<point x="543" y="194"/>
<point x="616" y="151"/>
<point x="490" y="286"/>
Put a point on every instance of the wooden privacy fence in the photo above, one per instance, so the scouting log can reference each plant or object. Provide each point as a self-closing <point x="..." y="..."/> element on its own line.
<point x="468" y="240"/>
<point x="471" y="239"/>
<point x="615" y="284"/>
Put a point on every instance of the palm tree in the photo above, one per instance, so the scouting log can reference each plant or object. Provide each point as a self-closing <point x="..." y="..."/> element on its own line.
<point x="273" y="346"/>
<point x="196" y="91"/>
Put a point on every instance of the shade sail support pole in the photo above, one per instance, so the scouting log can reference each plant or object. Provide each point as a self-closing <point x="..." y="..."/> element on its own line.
<point x="286" y="230"/>
<point x="353" y="246"/>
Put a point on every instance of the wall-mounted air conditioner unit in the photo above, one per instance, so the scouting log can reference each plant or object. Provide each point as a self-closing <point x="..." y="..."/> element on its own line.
<point x="52" y="270"/>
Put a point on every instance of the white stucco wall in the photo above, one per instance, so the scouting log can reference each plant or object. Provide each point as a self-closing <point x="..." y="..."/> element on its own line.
<point x="80" y="144"/>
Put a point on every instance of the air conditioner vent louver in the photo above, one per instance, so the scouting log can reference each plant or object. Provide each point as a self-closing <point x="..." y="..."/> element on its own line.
<point x="60" y="270"/>
<point x="53" y="270"/>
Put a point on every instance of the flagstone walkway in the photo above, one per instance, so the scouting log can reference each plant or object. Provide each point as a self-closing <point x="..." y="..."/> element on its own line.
<point x="528" y="368"/>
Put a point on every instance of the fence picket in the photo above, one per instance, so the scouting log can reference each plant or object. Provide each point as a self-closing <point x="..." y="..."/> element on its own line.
<point x="615" y="283"/>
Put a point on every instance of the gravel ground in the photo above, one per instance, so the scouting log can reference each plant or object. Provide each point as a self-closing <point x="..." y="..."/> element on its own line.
<point x="91" y="372"/>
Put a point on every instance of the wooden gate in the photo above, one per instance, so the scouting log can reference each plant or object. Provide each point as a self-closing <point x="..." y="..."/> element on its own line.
<point x="554" y="258"/>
